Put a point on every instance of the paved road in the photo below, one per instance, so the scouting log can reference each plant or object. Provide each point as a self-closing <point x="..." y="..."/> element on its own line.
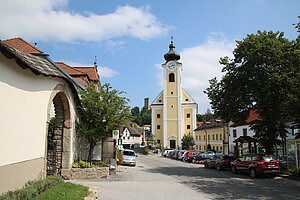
<point x="160" y="178"/>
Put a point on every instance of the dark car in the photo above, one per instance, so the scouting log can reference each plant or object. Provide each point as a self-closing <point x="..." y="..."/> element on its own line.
<point x="219" y="162"/>
<point x="199" y="159"/>
<point x="256" y="164"/>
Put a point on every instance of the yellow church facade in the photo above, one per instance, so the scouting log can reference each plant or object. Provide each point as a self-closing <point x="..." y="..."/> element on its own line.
<point x="174" y="110"/>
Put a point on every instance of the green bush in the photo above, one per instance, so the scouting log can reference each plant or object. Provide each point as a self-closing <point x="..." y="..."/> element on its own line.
<point x="32" y="188"/>
<point x="295" y="172"/>
<point x="82" y="164"/>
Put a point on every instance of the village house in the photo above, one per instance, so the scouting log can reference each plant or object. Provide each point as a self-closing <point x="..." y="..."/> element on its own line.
<point x="32" y="86"/>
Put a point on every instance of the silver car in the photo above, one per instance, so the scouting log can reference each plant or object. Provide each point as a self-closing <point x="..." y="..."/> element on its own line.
<point x="129" y="157"/>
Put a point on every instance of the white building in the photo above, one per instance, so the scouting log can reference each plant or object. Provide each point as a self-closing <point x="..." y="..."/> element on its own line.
<point x="29" y="84"/>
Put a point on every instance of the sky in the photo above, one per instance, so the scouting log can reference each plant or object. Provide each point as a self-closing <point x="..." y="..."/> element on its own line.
<point x="130" y="37"/>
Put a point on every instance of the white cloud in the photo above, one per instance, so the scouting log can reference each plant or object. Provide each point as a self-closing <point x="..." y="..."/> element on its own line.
<point x="47" y="20"/>
<point x="201" y="63"/>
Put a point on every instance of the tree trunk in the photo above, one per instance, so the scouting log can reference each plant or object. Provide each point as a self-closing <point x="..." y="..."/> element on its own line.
<point x="90" y="157"/>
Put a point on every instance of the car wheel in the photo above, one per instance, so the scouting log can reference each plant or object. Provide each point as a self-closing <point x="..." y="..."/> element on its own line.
<point x="193" y="161"/>
<point x="219" y="167"/>
<point x="253" y="173"/>
<point x="205" y="165"/>
<point x="233" y="170"/>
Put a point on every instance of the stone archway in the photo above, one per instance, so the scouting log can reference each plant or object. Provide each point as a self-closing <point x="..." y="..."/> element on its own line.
<point x="58" y="142"/>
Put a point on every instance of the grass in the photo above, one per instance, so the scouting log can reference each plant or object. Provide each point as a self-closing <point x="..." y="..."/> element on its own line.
<point x="64" y="191"/>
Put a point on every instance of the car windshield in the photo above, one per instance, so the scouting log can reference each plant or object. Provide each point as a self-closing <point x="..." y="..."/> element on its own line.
<point x="267" y="158"/>
<point x="128" y="153"/>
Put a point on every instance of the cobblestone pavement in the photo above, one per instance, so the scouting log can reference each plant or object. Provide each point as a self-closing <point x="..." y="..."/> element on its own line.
<point x="156" y="177"/>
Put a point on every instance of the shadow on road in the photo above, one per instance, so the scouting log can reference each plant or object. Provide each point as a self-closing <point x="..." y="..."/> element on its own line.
<point x="225" y="185"/>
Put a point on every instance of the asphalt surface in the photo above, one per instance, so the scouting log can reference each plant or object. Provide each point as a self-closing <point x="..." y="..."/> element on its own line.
<point x="156" y="177"/>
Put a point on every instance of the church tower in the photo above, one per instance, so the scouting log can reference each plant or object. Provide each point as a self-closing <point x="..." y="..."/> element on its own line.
<point x="173" y="111"/>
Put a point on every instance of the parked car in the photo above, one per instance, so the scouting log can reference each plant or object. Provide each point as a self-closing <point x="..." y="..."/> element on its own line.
<point x="219" y="162"/>
<point x="165" y="152"/>
<point x="181" y="154"/>
<point x="171" y="153"/>
<point x="129" y="157"/>
<point x="198" y="159"/>
<point x="190" y="154"/>
<point x="256" y="164"/>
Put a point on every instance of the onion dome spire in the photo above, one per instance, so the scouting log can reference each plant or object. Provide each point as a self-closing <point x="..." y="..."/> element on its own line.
<point x="172" y="54"/>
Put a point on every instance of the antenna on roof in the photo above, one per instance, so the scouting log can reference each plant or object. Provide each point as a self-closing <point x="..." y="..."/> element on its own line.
<point x="95" y="62"/>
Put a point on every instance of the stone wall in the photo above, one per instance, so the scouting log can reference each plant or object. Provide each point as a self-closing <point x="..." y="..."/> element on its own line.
<point x="85" y="173"/>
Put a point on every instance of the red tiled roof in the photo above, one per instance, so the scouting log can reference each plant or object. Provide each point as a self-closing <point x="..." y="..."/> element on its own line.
<point x="70" y="70"/>
<point x="91" y="71"/>
<point x="252" y="116"/>
<point x="22" y="45"/>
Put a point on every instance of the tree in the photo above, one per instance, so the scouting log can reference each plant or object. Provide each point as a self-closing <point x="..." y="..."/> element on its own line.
<point x="205" y="117"/>
<point x="102" y="111"/>
<point x="142" y="117"/>
<point x="187" y="141"/>
<point x="259" y="78"/>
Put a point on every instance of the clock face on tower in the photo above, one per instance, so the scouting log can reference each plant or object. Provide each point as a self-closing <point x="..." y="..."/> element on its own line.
<point x="171" y="65"/>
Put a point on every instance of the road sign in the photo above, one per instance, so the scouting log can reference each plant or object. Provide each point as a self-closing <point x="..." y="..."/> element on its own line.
<point x="115" y="134"/>
<point x="119" y="141"/>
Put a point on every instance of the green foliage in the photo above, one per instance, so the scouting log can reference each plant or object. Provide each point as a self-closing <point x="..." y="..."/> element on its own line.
<point x="142" y="117"/>
<point x="82" y="164"/>
<point x="295" y="172"/>
<point x="263" y="76"/>
<point x="102" y="111"/>
<point x="32" y="188"/>
<point x="205" y="117"/>
<point x="187" y="141"/>
<point x="64" y="191"/>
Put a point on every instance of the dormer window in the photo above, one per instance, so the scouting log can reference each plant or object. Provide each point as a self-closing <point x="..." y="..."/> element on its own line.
<point x="171" y="77"/>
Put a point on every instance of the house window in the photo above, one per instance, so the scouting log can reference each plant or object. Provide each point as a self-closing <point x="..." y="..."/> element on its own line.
<point x="188" y="115"/>
<point x="128" y="137"/>
<point x="208" y="137"/>
<point x="216" y="136"/>
<point x="158" y="126"/>
<point x="196" y="137"/>
<point x="234" y="132"/>
<point x="213" y="138"/>
<point x="158" y="141"/>
<point x="200" y="147"/>
<point x="171" y="77"/>
<point x="204" y="137"/>
<point x="220" y="136"/>
<point x="217" y="148"/>
<point x="188" y="126"/>
<point x="199" y="137"/>
<point x="244" y="132"/>
<point x="158" y="115"/>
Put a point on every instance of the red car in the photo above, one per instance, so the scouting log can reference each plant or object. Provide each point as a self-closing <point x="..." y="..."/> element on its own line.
<point x="256" y="164"/>
<point x="190" y="154"/>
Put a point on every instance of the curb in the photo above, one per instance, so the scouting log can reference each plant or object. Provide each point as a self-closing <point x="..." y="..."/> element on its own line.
<point x="93" y="193"/>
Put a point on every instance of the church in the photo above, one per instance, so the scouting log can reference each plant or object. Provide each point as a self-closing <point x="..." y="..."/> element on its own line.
<point x="174" y="110"/>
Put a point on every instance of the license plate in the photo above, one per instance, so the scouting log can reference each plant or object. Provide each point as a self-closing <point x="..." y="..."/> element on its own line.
<point x="271" y="165"/>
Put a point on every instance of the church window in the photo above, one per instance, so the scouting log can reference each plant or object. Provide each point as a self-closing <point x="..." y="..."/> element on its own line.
<point x="188" y="115"/>
<point x="159" y="100"/>
<point x="188" y="126"/>
<point x="171" y="92"/>
<point x="171" y="77"/>
<point x="158" y="126"/>
<point x="186" y="99"/>
<point x="172" y="106"/>
<point x="158" y="141"/>
<point x="158" y="115"/>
